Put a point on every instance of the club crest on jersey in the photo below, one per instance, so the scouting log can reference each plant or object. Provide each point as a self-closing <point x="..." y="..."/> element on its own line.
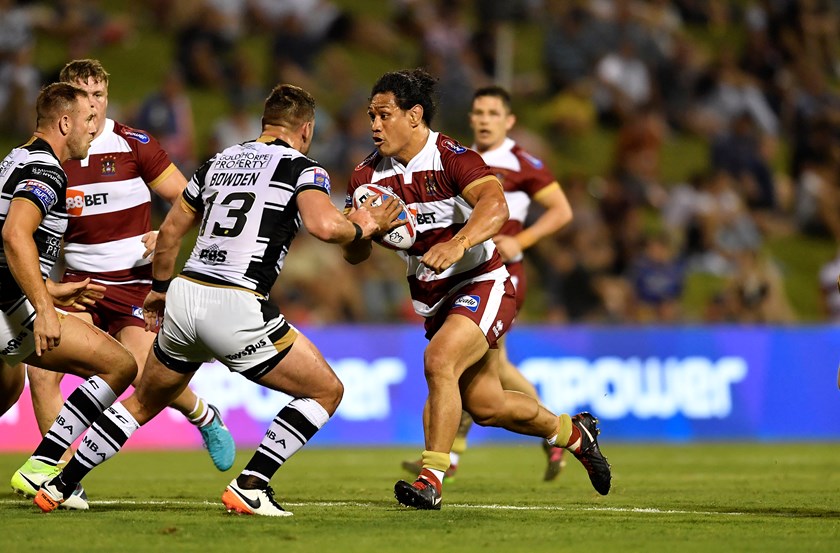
<point x="430" y="183"/>
<point x="109" y="166"/>
<point x="453" y="146"/>
<point x="44" y="193"/>
<point x="140" y="137"/>
<point x="470" y="302"/>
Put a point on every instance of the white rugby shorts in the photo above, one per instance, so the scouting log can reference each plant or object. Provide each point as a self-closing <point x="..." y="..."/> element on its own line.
<point x="17" y="341"/>
<point x="202" y="322"/>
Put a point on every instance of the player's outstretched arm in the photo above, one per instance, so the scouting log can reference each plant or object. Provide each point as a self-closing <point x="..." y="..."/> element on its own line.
<point x="325" y="222"/>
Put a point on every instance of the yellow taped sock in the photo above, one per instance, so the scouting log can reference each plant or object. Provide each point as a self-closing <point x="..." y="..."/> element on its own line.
<point x="435" y="460"/>
<point x="564" y="431"/>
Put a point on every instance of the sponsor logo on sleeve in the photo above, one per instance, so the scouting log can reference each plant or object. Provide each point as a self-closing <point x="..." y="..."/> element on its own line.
<point x="140" y="137"/>
<point x="453" y="146"/>
<point x="366" y="161"/>
<point x="50" y="173"/>
<point x="322" y="178"/>
<point x="42" y="191"/>
<point x="536" y="163"/>
<point x="470" y="302"/>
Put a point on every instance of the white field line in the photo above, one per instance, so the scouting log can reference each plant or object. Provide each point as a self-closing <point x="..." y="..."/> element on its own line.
<point x="491" y="507"/>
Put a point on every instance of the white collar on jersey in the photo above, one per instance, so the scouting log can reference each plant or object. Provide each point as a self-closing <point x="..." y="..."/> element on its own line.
<point x="107" y="130"/>
<point x="506" y="146"/>
<point x="423" y="154"/>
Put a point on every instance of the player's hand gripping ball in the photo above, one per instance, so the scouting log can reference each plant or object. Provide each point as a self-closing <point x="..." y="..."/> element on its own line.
<point x="400" y="238"/>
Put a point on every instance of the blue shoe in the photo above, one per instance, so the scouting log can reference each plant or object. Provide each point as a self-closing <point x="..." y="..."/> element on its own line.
<point x="218" y="442"/>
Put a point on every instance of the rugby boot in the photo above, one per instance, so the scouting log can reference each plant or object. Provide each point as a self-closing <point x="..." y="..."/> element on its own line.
<point x="422" y="494"/>
<point x="252" y="502"/>
<point x="28" y="479"/>
<point x="589" y="453"/>
<point x="54" y="494"/>
<point x="218" y="441"/>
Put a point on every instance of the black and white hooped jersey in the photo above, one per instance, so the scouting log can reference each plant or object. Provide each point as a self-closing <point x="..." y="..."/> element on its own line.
<point x="33" y="173"/>
<point x="247" y="195"/>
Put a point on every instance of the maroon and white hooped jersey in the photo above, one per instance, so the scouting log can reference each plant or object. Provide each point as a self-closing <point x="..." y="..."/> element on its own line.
<point x="431" y="185"/>
<point x="523" y="177"/>
<point x="109" y="204"/>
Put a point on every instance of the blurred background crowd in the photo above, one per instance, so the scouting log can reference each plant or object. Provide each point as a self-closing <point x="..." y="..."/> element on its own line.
<point x="698" y="141"/>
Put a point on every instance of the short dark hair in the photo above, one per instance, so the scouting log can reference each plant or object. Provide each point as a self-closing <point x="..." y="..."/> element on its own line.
<point x="55" y="100"/>
<point x="82" y="70"/>
<point x="410" y="87"/>
<point x="288" y="106"/>
<point x="496" y="92"/>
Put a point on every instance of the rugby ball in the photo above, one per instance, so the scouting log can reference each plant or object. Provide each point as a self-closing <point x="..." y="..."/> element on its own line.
<point x="400" y="238"/>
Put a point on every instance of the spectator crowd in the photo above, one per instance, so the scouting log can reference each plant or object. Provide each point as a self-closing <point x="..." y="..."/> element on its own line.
<point x="753" y="82"/>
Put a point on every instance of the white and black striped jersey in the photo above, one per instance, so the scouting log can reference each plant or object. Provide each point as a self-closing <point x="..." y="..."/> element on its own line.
<point x="32" y="172"/>
<point x="247" y="195"/>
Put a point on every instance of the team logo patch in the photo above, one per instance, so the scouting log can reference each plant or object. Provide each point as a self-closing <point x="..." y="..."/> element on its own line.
<point x="453" y="146"/>
<point x="536" y="163"/>
<point x="40" y="190"/>
<point x="140" y="137"/>
<point x="470" y="302"/>
<point x="322" y="178"/>
<point x="136" y="311"/>
<point x="109" y="166"/>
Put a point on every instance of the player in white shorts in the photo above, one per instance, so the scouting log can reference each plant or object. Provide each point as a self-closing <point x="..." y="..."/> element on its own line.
<point x="33" y="219"/>
<point x="232" y="325"/>
<point x="248" y="202"/>
<point x="109" y="201"/>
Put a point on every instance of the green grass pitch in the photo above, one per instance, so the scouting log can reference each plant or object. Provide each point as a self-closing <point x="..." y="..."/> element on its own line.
<point x="687" y="498"/>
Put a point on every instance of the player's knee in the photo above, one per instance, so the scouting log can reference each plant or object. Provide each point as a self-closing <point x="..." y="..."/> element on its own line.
<point x="42" y="380"/>
<point x="437" y="364"/>
<point x="123" y="366"/>
<point x="333" y="396"/>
